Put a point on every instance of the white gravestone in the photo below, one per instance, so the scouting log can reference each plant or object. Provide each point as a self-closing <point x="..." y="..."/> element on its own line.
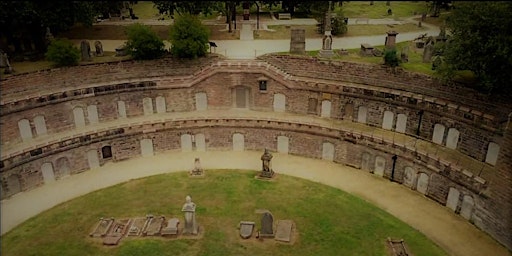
<point x="466" y="209"/>
<point x="93" y="159"/>
<point x="282" y="144"/>
<point x="452" y="138"/>
<point x="147" y="106"/>
<point x="48" y="174"/>
<point x="453" y="199"/>
<point x="401" y="123"/>
<point x="326" y="108"/>
<point x="492" y="153"/>
<point x="422" y="183"/>
<point x="92" y="114"/>
<point x="365" y="162"/>
<point x="361" y="114"/>
<point x="328" y="151"/>
<point x="387" y="122"/>
<point x="438" y="135"/>
<point x="200" y="142"/>
<point x="238" y="142"/>
<point x="186" y="143"/>
<point x="380" y="165"/>
<point x="279" y="102"/>
<point x="78" y="115"/>
<point x="25" y="130"/>
<point x="160" y="105"/>
<point x="121" y="109"/>
<point x="409" y="175"/>
<point x="146" y="147"/>
<point x="40" y="124"/>
<point x="201" y="101"/>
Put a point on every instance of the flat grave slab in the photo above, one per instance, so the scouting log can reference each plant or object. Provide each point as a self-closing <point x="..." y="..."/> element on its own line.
<point x="284" y="230"/>
<point x="136" y="227"/>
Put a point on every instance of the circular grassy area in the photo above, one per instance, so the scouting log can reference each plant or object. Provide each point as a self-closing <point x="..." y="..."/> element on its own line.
<point x="328" y="221"/>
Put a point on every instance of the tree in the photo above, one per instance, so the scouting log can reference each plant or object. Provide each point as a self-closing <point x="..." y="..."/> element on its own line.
<point x="143" y="43"/>
<point x="63" y="53"/>
<point x="480" y="42"/>
<point x="189" y="38"/>
<point x="390" y="58"/>
<point x="187" y="7"/>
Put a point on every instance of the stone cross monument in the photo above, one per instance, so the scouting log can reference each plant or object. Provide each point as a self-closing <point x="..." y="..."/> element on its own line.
<point x="327" y="51"/>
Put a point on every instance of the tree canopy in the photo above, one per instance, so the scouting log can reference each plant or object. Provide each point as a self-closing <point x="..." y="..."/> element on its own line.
<point x="189" y="38"/>
<point x="481" y="42"/>
<point x="143" y="43"/>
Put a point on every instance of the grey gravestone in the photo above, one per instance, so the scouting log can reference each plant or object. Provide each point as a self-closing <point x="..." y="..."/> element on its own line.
<point x="201" y="101"/>
<point x="238" y="142"/>
<point x="428" y="51"/>
<point x="438" y="135"/>
<point x="404" y="55"/>
<point x="267" y="225"/>
<point x="160" y="104"/>
<point x="298" y="41"/>
<point x="121" y="50"/>
<point x="365" y="161"/>
<point x="246" y="228"/>
<point x="391" y="39"/>
<point x="328" y="151"/>
<point x="93" y="159"/>
<point x="147" y="106"/>
<point x="466" y="208"/>
<point x="327" y="51"/>
<point x="99" y="48"/>
<point x="326" y="109"/>
<point x="401" y="123"/>
<point x="189" y="208"/>
<point x="279" y="102"/>
<point x="25" y="129"/>
<point x="492" y="153"/>
<point x="366" y="50"/>
<point x="387" y="121"/>
<point x="266" y="171"/>
<point x="48" y="174"/>
<point x="361" y="114"/>
<point x="200" y="142"/>
<point x="121" y="108"/>
<point x="172" y="227"/>
<point x="422" y="183"/>
<point x="198" y="170"/>
<point x="40" y="125"/>
<point x="92" y="114"/>
<point x="102" y="228"/>
<point x="282" y="144"/>
<point x="453" y="199"/>
<point x="284" y="230"/>
<point x="452" y="139"/>
<point x="85" y="48"/>
<point x="409" y="176"/>
<point x="380" y="165"/>
<point x="146" y="147"/>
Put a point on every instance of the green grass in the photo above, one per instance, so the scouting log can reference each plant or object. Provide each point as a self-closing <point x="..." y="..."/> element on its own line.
<point x="379" y="10"/>
<point x="146" y="10"/>
<point x="328" y="221"/>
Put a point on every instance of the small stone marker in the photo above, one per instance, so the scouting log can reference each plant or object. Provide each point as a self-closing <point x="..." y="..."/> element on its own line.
<point x="246" y="228"/>
<point x="118" y="231"/>
<point x="136" y="227"/>
<point x="284" y="230"/>
<point x="153" y="226"/>
<point x="428" y="52"/>
<point x="267" y="225"/>
<point x="102" y="228"/>
<point x="172" y="227"/>
<point x="99" y="48"/>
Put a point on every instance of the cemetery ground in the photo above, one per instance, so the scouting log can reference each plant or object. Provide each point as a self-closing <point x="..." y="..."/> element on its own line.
<point x="328" y="221"/>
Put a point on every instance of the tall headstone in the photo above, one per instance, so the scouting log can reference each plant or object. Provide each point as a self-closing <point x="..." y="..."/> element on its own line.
<point x="266" y="171"/>
<point x="267" y="225"/>
<point x="85" y="48"/>
<point x="391" y="39"/>
<point x="99" y="48"/>
<point x="298" y="41"/>
<point x="428" y="51"/>
<point x="404" y="54"/>
<point x="327" y="51"/>
<point x="191" y="226"/>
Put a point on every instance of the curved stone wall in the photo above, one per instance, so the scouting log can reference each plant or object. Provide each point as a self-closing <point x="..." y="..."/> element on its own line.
<point x="446" y="145"/>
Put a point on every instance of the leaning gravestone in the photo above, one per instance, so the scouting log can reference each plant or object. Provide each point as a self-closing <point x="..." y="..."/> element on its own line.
<point x="298" y="41"/>
<point x="428" y="52"/>
<point x="85" y="48"/>
<point x="99" y="48"/>
<point x="267" y="225"/>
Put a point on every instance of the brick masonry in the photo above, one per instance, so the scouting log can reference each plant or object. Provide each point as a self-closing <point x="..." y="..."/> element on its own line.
<point x="305" y="83"/>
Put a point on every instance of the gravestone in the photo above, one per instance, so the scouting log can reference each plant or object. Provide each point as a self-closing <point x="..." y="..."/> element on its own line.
<point x="78" y="115"/>
<point x="282" y="144"/>
<point x="422" y="185"/>
<point x="365" y="161"/>
<point x="186" y="143"/>
<point x="93" y="159"/>
<point x="99" y="48"/>
<point x="380" y="165"/>
<point x="189" y="208"/>
<point x="160" y="104"/>
<point x="404" y="54"/>
<point x="200" y="142"/>
<point x="326" y="50"/>
<point x="121" y="108"/>
<point x="146" y="147"/>
<point x="438" y="135"/>
<point x="25" y="129"/>
<point x="267" y="225"/>
<point x="40" y="125"/>
<point x="3" y="59"/>
<point x="361" y="114"/>
<point x="328" y="151"/>
<point x="466" y="208"/>
<point x="85" y="48"/>
<point x="284" y="230"/>
<point x="198" y="170"/>
<point x="326" y="108"/>
<point x="453" y="199"/>
<point x="121" y="50"/>
<point x="409" y="175"/>
<point x="47" y="172"/>
<point x="298" y="41"/>
<point x="428" y="52"/>
<point x="136" y="227"/>
<point x="153" y="226"/>
<point x="266" y="171"/>
<point x="48" y="35"/>
<point x="279" y="102"/>
<point x="147" y="106"/>
<point x="391" y="39"/>
<point x="92" y="114"/>
<point x="201" y="103"/>
<point x="102" y="227"/>
<point x="492" y="153"/>
<point x="238" y="142"/>
<point x="452" y="139"/>
<point x="366" y="50"/>
<point x="171" y="228"/>
<point x="401" y="123"/>
<point x="246" y="228"/>
<point x="387" y="121"/>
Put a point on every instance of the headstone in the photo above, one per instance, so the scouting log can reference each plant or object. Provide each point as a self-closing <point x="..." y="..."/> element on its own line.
<point x="438" y="135"/>
<point x="93" y="159"/>
<point x="365" y="161"/>
<point x="387" y="121"/>
<point x="492" y="153"/>
<point x="238" y="142"/>
<point x="3" y="59"/>
<point x="246" y="229"/>
<point x="326" y="50"/>
<point x="422" y="185"/>
<point x="25" y="129"/>
<point x="201" y="102"/>
<point x="198" y="170"/>
<point x="284" y="230"/>
<point x="282" y="144"/>
<point x="428" y="51"/>
<point x="401" y="123"/>
<point x="391" y="39"/>
<point x="85" y="48"/>
<point x="40" y="125"/>
<point x="298" y="41"/>
<point x="121" y="108"/>
<point x="171" y="228"/>
<point x="146" y="147"/>
<point x="189" y="208"/>
<point x="466" y="208"/>
<point x="99" y="48"/>
<point x="267" y="225"/>
<point x="279" y="102"/>
<point x="409" y="175"/>
<point x="328" y="151"/>
<point x="121" y="50"/>
<point x="380" y="166"/>
<point x="266" y="171"/>
<point x="404" y="54"/>
<point x="452" y="139"/>
<point x="47" y="172"/>
<point x="326" y="108"/>
<point x="366" y="50"/>
<point x="452" y="201"/>
<point x="361" y="114"/>
<point x="48" y="36"/>
<point x="200" y="142"/>
<point x="92" y="114"/>
<point x="147" y="106"/>
<point x="102" y="227"/>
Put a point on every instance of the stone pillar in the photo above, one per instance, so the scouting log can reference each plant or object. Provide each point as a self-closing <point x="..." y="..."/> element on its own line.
<point x="391" y="39"/>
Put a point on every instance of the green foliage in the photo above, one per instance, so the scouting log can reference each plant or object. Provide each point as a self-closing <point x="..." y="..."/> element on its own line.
<point x="187" y="7"/>
<point x="143" y="43"/>
<point x="189" y="38"/>
<point x="481" y="43"/>
<point x="390" y="58"/>
<point x="63" y="53"/>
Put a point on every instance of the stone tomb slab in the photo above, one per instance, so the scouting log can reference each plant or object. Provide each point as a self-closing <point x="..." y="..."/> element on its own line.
<point x="118" y="231"/>
<point x="172" y="227"/>
<point x="284" y="230"/>
<point x="153" y="226"/>
<point x="137" y="226"/>
<point x="102" y="228"/>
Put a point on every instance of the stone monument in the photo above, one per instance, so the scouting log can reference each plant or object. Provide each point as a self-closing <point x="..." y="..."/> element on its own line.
<point x="266" y="171"/>
<point x="428" y="51"/>
<point x="189" y="208"/>
<point x="298" y="41"/>
<point x="327" y="51"/>
<point x="85" y="48"/>
<point x="267" y="225"/>
<point x="4" y="63"/>
<point x="99" y="48"/>
<point x="198" y="170"/>
<point x="391" y="39"/>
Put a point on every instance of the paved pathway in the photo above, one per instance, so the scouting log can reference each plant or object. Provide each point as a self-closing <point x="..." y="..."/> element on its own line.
<point x="450" y="231"/>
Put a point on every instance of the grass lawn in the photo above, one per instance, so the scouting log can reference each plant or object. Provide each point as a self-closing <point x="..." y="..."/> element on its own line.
<point x="379" y="9"/>
<point x="328" y="221"/>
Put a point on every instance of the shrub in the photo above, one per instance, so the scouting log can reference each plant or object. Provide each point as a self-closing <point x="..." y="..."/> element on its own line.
<point x="189" y="38"/>
<point x="63" y="53"/>
<point x="390" y="58"/>
<point x="143" y="43"/>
